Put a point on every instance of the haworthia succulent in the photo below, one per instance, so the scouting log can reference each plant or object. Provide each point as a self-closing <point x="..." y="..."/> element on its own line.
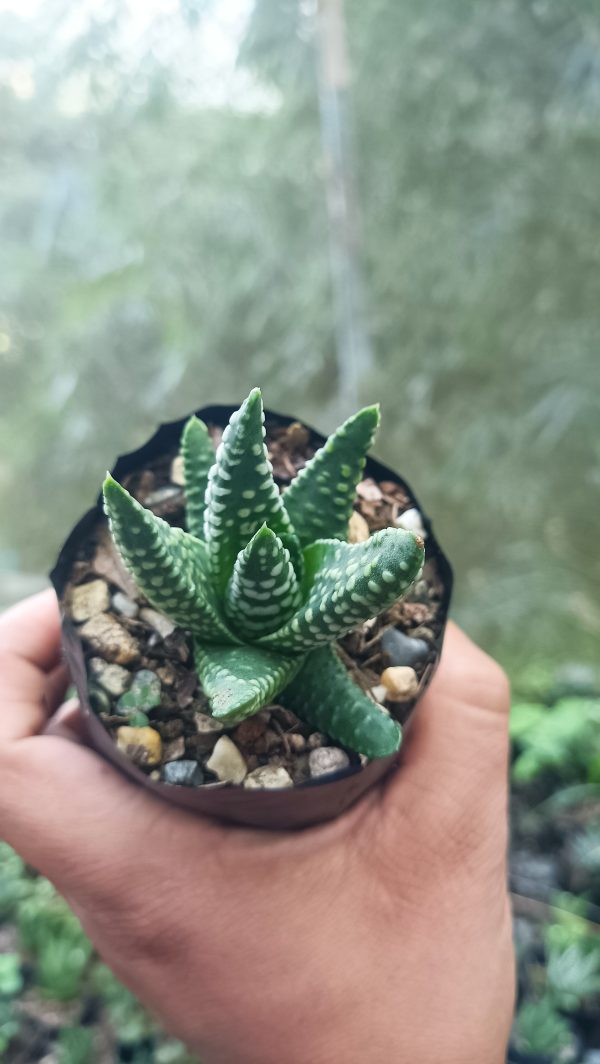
<point x="264" y="613"/>
<point x="325" y="696"/>
<point x="242" y="494"/>
<point x="171" y="567"/>
<point x="319" y="499"/>
<point x="198" y="456"/>
<point x="347" y="584"/>
<point x="263" y="591"/>
<point x="239" y="680"/>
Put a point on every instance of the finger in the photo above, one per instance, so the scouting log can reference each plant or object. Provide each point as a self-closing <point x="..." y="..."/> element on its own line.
<point x="31" y="630"/>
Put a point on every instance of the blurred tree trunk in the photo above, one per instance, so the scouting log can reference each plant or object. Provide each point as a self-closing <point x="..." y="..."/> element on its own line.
<point x="353" y="348"/>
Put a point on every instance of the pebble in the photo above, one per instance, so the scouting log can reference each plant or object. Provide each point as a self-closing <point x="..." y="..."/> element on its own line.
<point x="401" y="682"/>
<point x="206" y="724"/>
<point x="368" y="490"/>
<point x="176" y="473"/>
<point x="161" y="495"/>
<point x="167" y="674"/>
<point x="113" y="678"/>
<point x="250" y="730"/>
<point x="86" y="600"/>
<point x="412" y="521"/>
<point x="99" y="699"/>
<point x="268" y="777"/>
<point x="138" y="719"/>
<point x="315" y="740"/>
<point x="530" y="871"/>
<point x="109" y="639"/>
<point x="161" y="624"/>
<point x="174" y="750"/>
<point x="226" y="761"/>
<point x="124" y="605"/>
<point x="593" y="1057"/>
<point x="183" y="774"/>
<point x="144" y="693"/>
<point x="402" y="649"/>
<point x="327" y="759"/>
<point x="379" y="692"/>
<point x="143" y="746"/>
<point x="296" y="743"/>
<point x="358" y="529"/>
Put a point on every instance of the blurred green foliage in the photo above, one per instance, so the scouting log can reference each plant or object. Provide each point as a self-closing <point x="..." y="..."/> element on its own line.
<point x="564" y="737"/>
<point x="162" y="246"/>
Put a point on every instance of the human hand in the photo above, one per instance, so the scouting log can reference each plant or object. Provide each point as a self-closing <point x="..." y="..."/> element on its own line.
<point x="382" y="936"/>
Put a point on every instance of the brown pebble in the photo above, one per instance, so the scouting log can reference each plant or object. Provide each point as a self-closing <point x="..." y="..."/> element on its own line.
<point x="174" y="750"/>
<point x="110" y="640"/>
<point x="249" y="731"/>
<point x="171" y="729"/>
<point x="358" y="529"/>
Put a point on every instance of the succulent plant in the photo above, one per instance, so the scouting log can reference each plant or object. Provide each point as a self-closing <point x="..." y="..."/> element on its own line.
<point x="265" y="581"/>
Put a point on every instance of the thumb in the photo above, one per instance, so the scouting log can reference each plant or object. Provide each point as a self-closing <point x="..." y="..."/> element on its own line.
<point x="457" y="740"/>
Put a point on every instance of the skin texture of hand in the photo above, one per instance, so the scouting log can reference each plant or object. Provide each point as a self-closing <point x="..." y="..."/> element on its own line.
<point x="382" y="937"/>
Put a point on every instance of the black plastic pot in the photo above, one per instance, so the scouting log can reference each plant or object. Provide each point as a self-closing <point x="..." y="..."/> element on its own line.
<point x="306" y="804"/>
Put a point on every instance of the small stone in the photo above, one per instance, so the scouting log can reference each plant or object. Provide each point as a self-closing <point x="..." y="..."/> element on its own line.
<point x="110" y="640"/>
<point x="174" y="750"/>
<point x="315" y="740"/>
<point x="268" y="777"/>
<point x="358" y="529"/>
<point x="412" y="521"/>
<point x="296" y="743"/>
<point x="99" y="699"/>
<point x="167" y="674"/>
<point x="368" y="490"/>
<point x="176" y="473"/>
<point x="124" y="605"/>
<point x="206" y="725"/>
<point x="226" y="762"/>
<point x="161" y="624"/>
<point x="249" y="731"/>
<point x="144" y="693"/>
<point x="138" y="719"/>
<point x="401" y="682"/>
<point x="113" y="678"/>
<point x="183" y="774"/>
<point x="327" y="759"/>
<point x="299" y="769"/>
<point x="379" y="692"/>
<point x="143" y="746"/>
<point x="87" y="600"/>
<point x="162" y="495"/>
<point x="401" y="649"/>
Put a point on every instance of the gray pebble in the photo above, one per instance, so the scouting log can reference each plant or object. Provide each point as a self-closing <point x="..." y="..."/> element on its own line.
<point x="402" y="649"/>
<point x="326" y="759"/>
<point x="182" y="774"/>
<point x="316" y="739"/>
<point x="124" y="605"/>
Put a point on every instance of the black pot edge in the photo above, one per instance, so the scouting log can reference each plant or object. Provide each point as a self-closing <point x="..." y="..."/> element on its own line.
<point x="282" y="809"/>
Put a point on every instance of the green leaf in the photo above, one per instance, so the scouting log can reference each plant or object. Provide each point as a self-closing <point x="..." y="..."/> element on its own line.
<point x="198" y="456"/>
<point x="348" y="583"/>
<point x="319" y="500"/>
<point x="170" y="567"/>
<point x="238" y="681"/>
<point x="263" y="591"/>
<point x="326" y="697"/>
<point x="241" y="495"/>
